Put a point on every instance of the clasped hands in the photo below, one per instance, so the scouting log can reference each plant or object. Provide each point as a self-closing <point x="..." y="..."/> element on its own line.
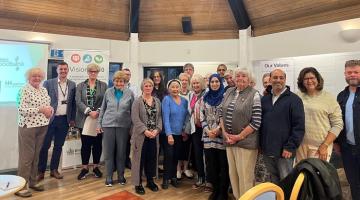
<point x="232" y="139"/>
<point x="48" y="111"/>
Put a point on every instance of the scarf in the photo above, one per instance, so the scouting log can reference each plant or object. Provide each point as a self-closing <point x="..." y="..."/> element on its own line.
<point x="214" y="97"/>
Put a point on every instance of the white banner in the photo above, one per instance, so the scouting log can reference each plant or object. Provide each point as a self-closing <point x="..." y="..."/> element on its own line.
<point x="78" y="60"/>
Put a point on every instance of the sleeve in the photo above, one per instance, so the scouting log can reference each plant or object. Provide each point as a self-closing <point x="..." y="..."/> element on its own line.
<point x="24" y="106"/>
<point x="255" y="121"/>
<point x="165" y="107"/>
<point x="73" y="110"/>
<point x="187" y="122"/>
<point x="102" y="109"/>
<point x="335" y="117"/>
<point x="203" y="120"/>
<point x="138" y="125"/>
<point x="159" y="124"/>
<point x="46" y="86"/>
<point x="79" y="104"/>
<point x="297" y="117"/>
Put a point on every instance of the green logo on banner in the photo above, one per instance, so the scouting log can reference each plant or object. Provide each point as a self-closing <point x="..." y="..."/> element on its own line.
<point x="98" y="59"/>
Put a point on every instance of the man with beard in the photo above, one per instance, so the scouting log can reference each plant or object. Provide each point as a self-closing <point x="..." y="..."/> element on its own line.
<point x="282" y="128"/>
<point x="349" y="138"/>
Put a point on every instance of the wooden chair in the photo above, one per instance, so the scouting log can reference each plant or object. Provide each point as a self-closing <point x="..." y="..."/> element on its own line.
<point x="297" y="186"/>
<point x="261" y="189"/>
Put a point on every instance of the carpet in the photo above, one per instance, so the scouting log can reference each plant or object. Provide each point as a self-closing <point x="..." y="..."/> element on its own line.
<point x="125" y="195"/>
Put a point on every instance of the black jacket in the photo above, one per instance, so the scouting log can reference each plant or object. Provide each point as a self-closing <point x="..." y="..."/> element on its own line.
<point x="283" y="124"/>
<point x="321" y="181"/>
<point x="342" y="99"/>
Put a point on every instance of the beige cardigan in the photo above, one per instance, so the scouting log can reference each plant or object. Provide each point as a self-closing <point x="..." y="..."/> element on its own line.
<point x="139" y="118"/>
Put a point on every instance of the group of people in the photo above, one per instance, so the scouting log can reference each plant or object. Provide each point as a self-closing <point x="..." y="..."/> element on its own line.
<point x="219" y="123"/>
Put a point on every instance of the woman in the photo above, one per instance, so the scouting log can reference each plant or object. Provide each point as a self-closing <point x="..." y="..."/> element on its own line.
<point x="147" y="122"/>
<point x="34" y="114"/>
<point x="240" y="120"/>
<point x="175" y="118"/>
<point x="323" y="118"/>
<point x="115" y="121"/>
<point x="159" y="90"/>
<point x="89" y="97"/>
<point x="215" y="154"/>
<point x="183" y="164"/>
<point x="197" y="91"/>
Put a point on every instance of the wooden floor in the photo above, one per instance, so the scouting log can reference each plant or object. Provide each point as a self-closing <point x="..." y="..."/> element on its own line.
<point x="94" y="188"/>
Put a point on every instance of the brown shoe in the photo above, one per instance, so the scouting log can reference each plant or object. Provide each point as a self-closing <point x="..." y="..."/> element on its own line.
<point x="40" y="176"/>
<point x="37" y="187"/>
<point x="23" y="193"/>
<point x="56" y="174"/>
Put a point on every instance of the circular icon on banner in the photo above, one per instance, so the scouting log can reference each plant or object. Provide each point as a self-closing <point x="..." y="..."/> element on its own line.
<point x="75" y="58"/>
<point x="87" y="58"/>
<point x="98" y="59"/>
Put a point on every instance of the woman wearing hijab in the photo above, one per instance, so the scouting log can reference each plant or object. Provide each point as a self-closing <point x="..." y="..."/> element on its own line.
<point x="215" y="153"/>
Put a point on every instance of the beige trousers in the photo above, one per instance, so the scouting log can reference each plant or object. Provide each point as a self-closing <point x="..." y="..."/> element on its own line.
<point x="30" y="142"/>
<point x="310" y="151"/>
<point x="241" y="169"/>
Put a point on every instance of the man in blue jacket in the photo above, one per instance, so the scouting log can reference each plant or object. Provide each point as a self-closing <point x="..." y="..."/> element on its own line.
<point x="282" y="127"/>
<point x="62" y="94"/>
<point x="349" y="138"/>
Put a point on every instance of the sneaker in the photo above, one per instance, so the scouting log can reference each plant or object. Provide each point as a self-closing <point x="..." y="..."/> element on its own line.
<point x="122" y="180"/>
<point x="97" y="172"/>
<point x="178" y="174"/>
<point x="83" y="173"/>
<point x="108" y="182"/>
<point x="189" y="174"/>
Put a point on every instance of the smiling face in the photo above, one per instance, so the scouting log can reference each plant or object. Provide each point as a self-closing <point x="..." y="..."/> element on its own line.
<point x="93" y="73"/>
<point x="242" y="80"/>
<point x="35" y="78"/>
<point x="148" y="88"/>
<point x="189" y="70"/>
<point x="62" y="71"/>
<point x="221" y="70"/>
<point x="157" y="78"/>
<point x="196" y="85"/>
<point x="278" y="80"/>
<point x="184" y="81"/>
<point x="174" y="88"/>
<point x="214" y="84"/>
<point x="352" y="75"/>
<point x="310" y="82"/>
<point x="119" y="83"/>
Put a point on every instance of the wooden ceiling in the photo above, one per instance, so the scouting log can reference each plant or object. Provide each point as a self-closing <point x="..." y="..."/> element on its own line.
<point x="160" y="20"/>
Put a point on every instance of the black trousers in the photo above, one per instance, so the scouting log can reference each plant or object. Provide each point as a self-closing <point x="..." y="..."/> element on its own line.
<point x="351" y="160"/>
<point x="148" y="159"/>
<point x="171" y="156"/>
<point x="90" y="144"/>
<point x="217" y="171"/>
<point x="198" y="147"/>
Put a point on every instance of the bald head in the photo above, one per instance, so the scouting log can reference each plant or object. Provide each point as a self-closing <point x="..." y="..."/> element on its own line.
<point x="278" y="80"/>
<point x="278" y="71"/>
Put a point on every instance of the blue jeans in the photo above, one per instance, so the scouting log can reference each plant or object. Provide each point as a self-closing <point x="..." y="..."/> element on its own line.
<point x="58" y="130"/>
<point x="351" y="161"/>
<point x="278" y="168"/>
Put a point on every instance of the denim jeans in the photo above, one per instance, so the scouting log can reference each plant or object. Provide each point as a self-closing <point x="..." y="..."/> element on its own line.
<point x="351" y="160"/>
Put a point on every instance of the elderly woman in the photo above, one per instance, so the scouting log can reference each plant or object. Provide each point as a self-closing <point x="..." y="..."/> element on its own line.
<point x="183" y="163"/>
<point x="214" y="149"/>
<point x="197" y="85"/>
<point x="115" y="121"/>
<point x="147" y="122"/>
<point x="189" y="69"/>
<point x="34" y="114"/>
<point x="240" y="120"/>
<point x="89" y="97"/>
<point x="323" y="118"/>
<point x="175" y="118"/>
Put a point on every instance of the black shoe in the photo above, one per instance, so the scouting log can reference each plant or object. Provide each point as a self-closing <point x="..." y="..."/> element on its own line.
<point x="140" y="190"/>
<point x="84" y="172"/>
<point x="174" y="182"/>
<point x="165" y="184"/>
<point x="122" y="180"/>
<point x="152" y="186"/>
<point x="97" y="172"/>
<point x="222" y="197"/>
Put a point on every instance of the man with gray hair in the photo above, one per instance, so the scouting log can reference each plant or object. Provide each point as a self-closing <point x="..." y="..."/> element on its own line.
<point x="282" y="128"/>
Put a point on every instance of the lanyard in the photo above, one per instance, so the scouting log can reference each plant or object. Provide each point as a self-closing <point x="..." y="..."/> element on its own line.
<point x="63" y="93"/>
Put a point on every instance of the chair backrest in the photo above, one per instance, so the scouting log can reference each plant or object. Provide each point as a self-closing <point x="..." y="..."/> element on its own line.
<point x="297" y="186"/>
<point x="262" y="188"/>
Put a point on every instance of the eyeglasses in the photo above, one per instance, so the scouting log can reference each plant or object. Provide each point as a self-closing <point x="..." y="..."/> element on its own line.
<point x="310" y="79"/>
<point x="221" y="70"/>
<point x="93" y="72"/>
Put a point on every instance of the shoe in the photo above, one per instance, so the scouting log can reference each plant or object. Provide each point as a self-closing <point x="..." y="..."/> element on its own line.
<point x="178" y="174"/>
<point x="152" y="186"/>
<point x="24" y="193"/>
<point x="199" y="183"/>
<point x="165" y="184"/>
<point x="56" y="174"/>
<point x="174" y="182"/>
<point x="37" y="187"/>
<point x="208" y="187"/>
<point x="122" y="180"/>
<point x="222" y="197"/>
<point x="97" y="172"/>
<point x="40" y="177"/>
<point x="108" y="182"/>
<point x="139" y="190"/>
<point x="83" y="173"/>
<point x="189" y="174"/>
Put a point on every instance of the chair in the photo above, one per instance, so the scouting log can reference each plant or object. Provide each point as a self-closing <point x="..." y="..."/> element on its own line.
<point x="263" y="188"/>
<point x="297" y="186"/>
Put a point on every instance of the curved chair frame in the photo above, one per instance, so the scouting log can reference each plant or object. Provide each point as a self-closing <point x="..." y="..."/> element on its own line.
<point x="257" y="190"/>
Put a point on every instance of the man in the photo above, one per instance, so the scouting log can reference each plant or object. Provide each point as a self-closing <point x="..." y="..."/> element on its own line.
<point x="62" y="94"/>
<point x="266" y="82"/>
<point x="349" y="138"/>
<point x="189" y="69"/>
<point x="221" y="69"/>
<point x="132" y="87"/>
<point x="282" y="128"/>
<point x="229" y="79"/>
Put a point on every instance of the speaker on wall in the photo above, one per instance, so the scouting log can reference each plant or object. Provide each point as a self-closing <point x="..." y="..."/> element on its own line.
<point x="186" y="25"/>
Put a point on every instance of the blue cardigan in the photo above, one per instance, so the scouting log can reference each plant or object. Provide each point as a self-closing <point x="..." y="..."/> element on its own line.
<point x="175" y="117"/>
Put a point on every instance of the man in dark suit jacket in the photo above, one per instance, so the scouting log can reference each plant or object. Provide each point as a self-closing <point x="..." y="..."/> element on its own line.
<point x="62" y="94"/>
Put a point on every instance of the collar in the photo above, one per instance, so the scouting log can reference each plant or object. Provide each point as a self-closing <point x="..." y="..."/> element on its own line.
<point x="284" y="89"/>
<point x="58" y="80"/>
